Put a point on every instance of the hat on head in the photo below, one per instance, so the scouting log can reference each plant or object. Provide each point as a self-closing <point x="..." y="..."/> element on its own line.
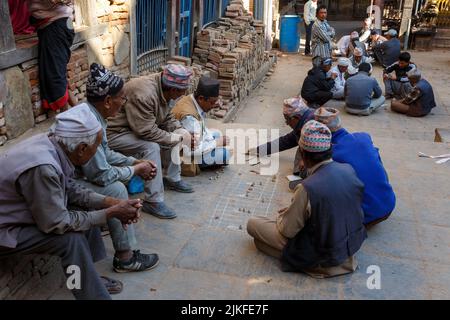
<point x="101" y="83"/>
<point x="208" y="87"/>
<point x="357" y="52"/>
<point x="176" y="76"/>
<point x="343" y="62"/>
<point x="77" y="122"/>
<point x="315" y="137"/>
<point x="329" y="117"/>
<point x="294" y="107"/>
<point x="391" y="32"/>
<point x="327" y="61"/>
<point x="354" y="35"/>
<point x="373" y="32"/>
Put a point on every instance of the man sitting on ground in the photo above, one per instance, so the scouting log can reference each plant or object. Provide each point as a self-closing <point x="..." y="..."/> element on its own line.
<point x="375" y="39"/>
<point x="363" y="94"/>
<point x="322" y="229"/>
<point x="419" y="101"/>
<point x="357" y="150"/>
<point x="37" y="191"/>
<point x="108" y="171"/>
<point x="191" y="112"/>
<point x="317" y="86"/>
<point x="355" y="44"/>
<point x="387" y="52"/>
<point x="339" y="73"/>
<point x="145" y="127"/>
<point x="357" y="58"/>
<point x="396" y="81"/>
<point x="296" y="113"/>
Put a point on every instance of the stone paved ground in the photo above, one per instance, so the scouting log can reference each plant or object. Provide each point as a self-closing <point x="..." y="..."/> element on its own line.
<point x="206" y="254"/>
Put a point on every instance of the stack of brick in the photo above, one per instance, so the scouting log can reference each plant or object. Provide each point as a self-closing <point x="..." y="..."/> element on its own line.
<point x="232" y="50"/>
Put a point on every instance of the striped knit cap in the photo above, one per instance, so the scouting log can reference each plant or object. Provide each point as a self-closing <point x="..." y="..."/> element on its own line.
<point x="177" y="76"/>
<point x="316" y="137"/>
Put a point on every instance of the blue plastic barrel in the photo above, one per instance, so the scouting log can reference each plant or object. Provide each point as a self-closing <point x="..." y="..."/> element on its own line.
<point x="290" y="33"/>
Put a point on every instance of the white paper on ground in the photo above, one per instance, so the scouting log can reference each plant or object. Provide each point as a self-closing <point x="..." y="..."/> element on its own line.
<point x="293" y="178"/>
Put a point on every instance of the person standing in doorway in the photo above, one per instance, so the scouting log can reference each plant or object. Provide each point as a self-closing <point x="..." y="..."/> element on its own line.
<point x="322" y="37"/>
<point x="309" y="15"/>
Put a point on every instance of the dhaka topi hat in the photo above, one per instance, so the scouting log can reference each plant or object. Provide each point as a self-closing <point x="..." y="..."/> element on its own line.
<point x="102" y="83"/>
<point x="208" y="87"/>
<point x="315" y="137"/>
<point x="294" y="107"/>
<point x="176" y="76"/>
<point x="77" y="122"/>
<point x="329" y="117"/>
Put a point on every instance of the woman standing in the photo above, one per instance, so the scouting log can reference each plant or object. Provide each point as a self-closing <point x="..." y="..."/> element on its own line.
<point x="53" y="20"/>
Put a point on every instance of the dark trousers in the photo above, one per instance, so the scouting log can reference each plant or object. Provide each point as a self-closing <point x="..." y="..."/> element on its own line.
<point x="55" y="41"/>
<point x="319" y="98"/>
<point x="308" y="28"/>
<point x="74" y="249"/>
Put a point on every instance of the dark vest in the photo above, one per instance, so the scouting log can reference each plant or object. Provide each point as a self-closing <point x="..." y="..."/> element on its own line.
<point x="335" y="230"/>
<point x="426" y="100"/>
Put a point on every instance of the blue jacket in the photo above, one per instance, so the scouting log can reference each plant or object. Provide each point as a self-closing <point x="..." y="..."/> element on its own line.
<point x="360" y="89"/>
<point x="357" y="149"/>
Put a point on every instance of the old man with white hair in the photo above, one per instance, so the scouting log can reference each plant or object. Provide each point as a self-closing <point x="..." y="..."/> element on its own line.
<point x="37" y="194"/>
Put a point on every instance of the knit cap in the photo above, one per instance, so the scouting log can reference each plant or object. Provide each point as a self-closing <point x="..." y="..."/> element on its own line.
<point x="315" y="137"/>
<point x="294" y="107"/>
<point x="329" y="117"/>
<point x="176" y="76"/>
<point x="101" y="83"/>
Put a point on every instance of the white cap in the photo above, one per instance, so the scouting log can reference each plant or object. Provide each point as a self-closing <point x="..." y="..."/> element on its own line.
<point x="343" y="62"/>
<point x="77" y="122"/>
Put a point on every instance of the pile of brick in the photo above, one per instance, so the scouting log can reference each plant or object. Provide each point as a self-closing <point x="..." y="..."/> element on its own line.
<point x="232" y="50"/>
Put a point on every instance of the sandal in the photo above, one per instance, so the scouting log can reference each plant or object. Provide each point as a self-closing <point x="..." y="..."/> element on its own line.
<point x="113" y="286"/>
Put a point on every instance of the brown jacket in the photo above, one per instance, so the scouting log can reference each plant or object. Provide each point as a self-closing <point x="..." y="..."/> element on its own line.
<point x="146" y="114"/>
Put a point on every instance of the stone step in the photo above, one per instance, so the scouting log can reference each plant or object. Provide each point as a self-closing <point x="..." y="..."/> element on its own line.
<point x="443" y="33"/>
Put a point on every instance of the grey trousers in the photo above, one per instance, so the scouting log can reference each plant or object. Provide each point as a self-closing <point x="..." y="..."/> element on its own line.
<point x="123" y="240"/>
<point x="74" y="249"/>
<point x="375" y="104"/>
<point x="130" y="145"/>
<point x="397" y="88"/>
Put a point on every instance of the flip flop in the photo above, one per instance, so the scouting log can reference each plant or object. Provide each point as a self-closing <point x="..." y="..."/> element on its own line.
<point x="113" y="286"/>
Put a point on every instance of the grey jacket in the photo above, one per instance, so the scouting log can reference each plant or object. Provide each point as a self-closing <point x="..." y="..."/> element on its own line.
<point x="360" y="89"/>
<point x="107" y="166"/>
<point x="36" y="186"/>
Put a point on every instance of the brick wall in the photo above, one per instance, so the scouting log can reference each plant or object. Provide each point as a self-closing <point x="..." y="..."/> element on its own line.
<point x="23" y="277"/>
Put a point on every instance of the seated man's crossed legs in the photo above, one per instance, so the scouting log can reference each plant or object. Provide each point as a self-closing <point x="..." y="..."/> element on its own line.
<point x="168" y="173"/>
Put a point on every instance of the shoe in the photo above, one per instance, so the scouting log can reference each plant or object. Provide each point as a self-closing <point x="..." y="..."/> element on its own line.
<point x="112" y="285"/>
<point x="138" y="262"/>
<point x="159" y="210"/>
<point x="179" y="186"/>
